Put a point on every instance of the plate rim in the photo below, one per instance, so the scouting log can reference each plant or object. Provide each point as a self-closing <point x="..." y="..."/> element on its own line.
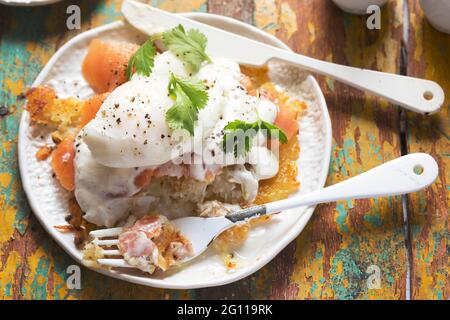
<point x="30" y="3"/>
<point x="296" y="228"/>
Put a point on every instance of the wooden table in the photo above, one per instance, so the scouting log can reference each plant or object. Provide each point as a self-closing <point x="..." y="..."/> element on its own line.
<point x="406" y="238"/>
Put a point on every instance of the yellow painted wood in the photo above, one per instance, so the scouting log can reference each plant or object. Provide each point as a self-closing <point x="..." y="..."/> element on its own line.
<point x="330" y="258"/>
<point x="32" y="265"/>
<point x="333" y="253"/>
<point x="429" y="57"/>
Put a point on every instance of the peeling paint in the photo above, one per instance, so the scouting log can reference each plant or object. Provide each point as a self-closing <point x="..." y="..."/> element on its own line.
<point x="288" y="19"/>
<point x="329" y="259"/>
<point x="429" y="209"/>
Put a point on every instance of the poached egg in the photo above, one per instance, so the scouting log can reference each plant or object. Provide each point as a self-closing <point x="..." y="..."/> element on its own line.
<point x="129" y="135"/>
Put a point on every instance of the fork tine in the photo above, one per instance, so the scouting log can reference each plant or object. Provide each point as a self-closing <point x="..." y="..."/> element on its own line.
<point x="118" y="263"/>
<point x="107" y="243"/>
<point x="111" y="253"/>
<point x="112" y="232"/>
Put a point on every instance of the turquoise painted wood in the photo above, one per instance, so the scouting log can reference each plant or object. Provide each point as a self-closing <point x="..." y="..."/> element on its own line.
<point x="330" y="258"/>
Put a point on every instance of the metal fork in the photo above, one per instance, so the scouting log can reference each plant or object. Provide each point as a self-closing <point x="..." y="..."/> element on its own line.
<point x="403" y="175"/>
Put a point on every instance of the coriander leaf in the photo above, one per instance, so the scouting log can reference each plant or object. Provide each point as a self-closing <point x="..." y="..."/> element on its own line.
<point x="238" y="141"/>
<point x="190" y="96"/>
<point x="193" y="88"/>
<point x="273" y="130"/>
<point x="182" y="115"/>
<point x="239" y="135"/>
<point x="189" y="47"/>
<point x="237" y="130"/>
<point x="143" y="60"/>
<point x="239" y="124"/>
<point x="199" y="38"/>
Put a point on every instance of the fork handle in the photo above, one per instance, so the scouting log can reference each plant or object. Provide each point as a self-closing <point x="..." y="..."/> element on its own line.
<point x="403" y="175"/>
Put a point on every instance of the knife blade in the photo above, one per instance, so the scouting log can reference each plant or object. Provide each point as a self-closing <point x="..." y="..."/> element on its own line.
<point x="419" y="95"/>
<point x="221" y="43"/>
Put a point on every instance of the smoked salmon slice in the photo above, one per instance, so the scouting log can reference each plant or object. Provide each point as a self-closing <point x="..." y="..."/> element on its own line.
<point x="91" y="107"/>
<point x="144" y="178"/>
<point x="62" y="163"/>
<point x="105" y="64"/>
<point x="287" y="121"/>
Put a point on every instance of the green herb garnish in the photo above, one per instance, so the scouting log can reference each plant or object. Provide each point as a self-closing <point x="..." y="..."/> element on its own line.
<point x="239" y="135"/>
<point x="188" y="46"/>
<point x="189" y="97"/>
<point x="142" y="60"/>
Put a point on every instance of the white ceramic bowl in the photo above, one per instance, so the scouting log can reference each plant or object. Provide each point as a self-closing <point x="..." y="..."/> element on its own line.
<point x="357" y="6"/>
<point x="437" y="13"/>
<point x="27" y="3"/>
<point x="49" y="201"/>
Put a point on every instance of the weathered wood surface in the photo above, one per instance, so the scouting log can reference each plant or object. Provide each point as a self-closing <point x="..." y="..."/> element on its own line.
<point x="429" y="57"/>
<point x="330" y="258"/>
<point x="333" y="253"/>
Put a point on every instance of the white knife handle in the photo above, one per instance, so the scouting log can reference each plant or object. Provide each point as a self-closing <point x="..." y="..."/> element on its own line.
<point x="415" y="94"/>
<point x="403" y="175"/>
<point x="419" y="95"/>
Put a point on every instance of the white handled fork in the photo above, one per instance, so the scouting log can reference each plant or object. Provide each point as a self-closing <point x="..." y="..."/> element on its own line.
<point x="403" y="175"/>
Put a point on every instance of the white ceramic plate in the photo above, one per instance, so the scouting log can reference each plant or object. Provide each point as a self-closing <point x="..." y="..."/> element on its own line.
<point x="49" y="201"/>
<point x="27" y="3"/>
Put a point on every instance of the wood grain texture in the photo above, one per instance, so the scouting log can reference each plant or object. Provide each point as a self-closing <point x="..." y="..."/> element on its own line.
<point x="330" y="258"/>
<point x="342" y="240"/>
<point x="32" y="265"/>
<point x="429" y="57"/>
<point x="26" y="251"/>
<point x="238" y="9"/>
